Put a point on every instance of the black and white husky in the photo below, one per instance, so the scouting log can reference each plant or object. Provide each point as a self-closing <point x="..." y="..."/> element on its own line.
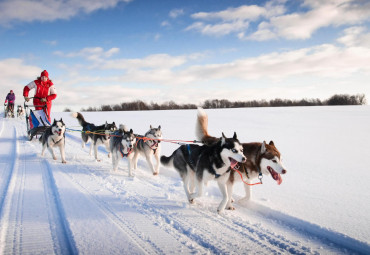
<point x="262" y="160"/>
<point x="200" y="164"/>
<point x="20" y="111"/>
<point x="97" y="134"/>
<point x="149" y="145"/>
<point x="54" y="136"/>
<point x="122" y="144"/>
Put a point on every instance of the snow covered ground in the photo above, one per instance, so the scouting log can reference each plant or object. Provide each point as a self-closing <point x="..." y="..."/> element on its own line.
<point x="82" y="207"/>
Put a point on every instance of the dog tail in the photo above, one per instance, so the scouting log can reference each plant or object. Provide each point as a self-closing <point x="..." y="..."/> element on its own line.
<point x="123" y="128"/>
<point x="167" y="161"/>
<point x="80" y="118"/>
<point x="201" y="129"/>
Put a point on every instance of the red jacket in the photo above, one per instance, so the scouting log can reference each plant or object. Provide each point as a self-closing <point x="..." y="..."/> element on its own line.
<point x="43" y="90"/>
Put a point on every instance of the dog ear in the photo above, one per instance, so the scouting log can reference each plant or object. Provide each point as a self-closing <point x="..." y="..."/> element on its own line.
<point x="54" y="121"/>
<point x="151" y="127"/>
<point x="235" y="137"/>
<point x="263" y="147"/>
<point x="159" y="127"/>
<point x="271" y="143"/>
<point x="131" y="131"/>
<point x="223" y="139"/>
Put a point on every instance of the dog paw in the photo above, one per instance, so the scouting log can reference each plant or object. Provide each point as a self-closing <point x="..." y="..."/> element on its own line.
<point x="219" y="211"/>
<point x="191" y="201"/>
<point x="55" y="158"/>
<point x="155" y="173"/>
<point x="232" y="208"/>
<point x="64" y="162"/>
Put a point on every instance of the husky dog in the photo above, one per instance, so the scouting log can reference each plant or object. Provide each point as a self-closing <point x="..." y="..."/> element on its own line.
<point x="54" y="136"/>
<point x="149" y="147"/>
<point x="121" y="145"/>
<point x="200" y="164"/>
<point x="9" y="111"/>
<point x="97" y="134"/>
<point x="262" y="159"/>
<point x="20" y="111"/>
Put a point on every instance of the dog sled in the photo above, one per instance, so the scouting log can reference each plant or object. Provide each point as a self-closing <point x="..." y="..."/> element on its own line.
<point x="36" y="120"/>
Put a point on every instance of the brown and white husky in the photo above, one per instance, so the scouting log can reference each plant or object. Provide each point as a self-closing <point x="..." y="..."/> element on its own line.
<point x="262" y="159"/>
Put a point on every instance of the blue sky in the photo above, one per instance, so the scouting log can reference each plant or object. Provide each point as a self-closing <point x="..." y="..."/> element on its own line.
<point x="113" y="51"/>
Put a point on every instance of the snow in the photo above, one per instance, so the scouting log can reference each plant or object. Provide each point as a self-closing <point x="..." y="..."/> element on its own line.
<point x="83" y="207"/>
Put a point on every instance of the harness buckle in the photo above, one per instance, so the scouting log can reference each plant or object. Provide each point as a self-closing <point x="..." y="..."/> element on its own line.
<point x="260" y="176"/>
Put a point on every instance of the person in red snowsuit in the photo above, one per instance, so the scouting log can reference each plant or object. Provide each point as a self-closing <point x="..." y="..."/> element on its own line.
<point x="45" y="92"/>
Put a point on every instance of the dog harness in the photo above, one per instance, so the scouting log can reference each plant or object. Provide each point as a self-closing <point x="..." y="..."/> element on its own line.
<point x="219" y="175"/>
<point x="124" y="154"/>
<point x="55" y="142"/>
<point x="190" y="161"/>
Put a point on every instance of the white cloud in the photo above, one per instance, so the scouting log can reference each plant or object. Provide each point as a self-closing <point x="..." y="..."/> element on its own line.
<point x="179" y="78"/>
<point x="301" y="25"/>
<point x="15" y="74"/>
<point x="90" y="53"/>
<point x="49" y="10"/>
<point x="355" y="36"/>
<point x="233" y="20"/>
<point x="176" y="13"/>
<point x="165" y="24"/>
<point x="275" y="22"/>
<point x="51" y="43"/>
<point x="219" y="29"/>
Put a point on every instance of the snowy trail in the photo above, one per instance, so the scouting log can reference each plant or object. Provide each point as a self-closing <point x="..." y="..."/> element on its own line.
<point x="24" y="205"/>
<point x="82" y="207"/>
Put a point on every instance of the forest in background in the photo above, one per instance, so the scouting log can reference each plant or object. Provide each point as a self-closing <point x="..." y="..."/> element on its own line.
<point x="138" y="105"/>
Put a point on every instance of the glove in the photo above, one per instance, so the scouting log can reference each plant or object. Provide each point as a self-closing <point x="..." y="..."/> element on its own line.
<point x="27" y="99"/>
<point x="43" y="99"/>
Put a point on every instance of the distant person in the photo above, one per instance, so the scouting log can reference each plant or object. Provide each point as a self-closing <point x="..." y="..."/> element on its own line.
<point x="45" y="92"/>
<point x="10" y="98"/>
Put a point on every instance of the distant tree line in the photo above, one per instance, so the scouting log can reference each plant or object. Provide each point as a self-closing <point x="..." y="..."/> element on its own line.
<point x="138" y="105"/>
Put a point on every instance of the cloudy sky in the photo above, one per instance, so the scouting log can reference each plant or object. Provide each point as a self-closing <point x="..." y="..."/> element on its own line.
<point x="113" y="51"/>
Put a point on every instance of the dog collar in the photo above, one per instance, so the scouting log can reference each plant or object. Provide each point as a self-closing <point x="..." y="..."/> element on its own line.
<point x="122" y="153"/>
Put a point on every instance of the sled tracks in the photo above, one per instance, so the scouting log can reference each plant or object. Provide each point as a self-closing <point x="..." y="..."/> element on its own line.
<point x="165" y="223"/>
<point x="32" y="221"/>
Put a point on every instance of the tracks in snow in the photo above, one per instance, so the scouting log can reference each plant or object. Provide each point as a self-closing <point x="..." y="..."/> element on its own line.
<point x="31" y="219"/>
<point x="190" y="226"/>
<point x="87" y="209"/>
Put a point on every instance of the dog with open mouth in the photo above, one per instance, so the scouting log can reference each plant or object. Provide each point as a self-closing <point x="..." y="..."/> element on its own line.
<point x="262" y="159"/>
<point x="122" y="144"/>
<point x="54" y="136"/>
<point x="198" y="165"/>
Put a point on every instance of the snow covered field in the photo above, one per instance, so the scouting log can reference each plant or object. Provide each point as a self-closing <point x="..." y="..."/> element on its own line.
<point x="82" y="207"/>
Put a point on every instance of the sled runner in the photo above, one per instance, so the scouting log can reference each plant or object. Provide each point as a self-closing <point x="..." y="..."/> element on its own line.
<point x="36" y="120"/>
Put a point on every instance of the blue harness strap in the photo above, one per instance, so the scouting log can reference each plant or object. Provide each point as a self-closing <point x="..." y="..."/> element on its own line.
<point x="190" y="161"/>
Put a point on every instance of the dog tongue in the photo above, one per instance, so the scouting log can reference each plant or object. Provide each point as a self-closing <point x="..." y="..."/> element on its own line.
<point x="233" y="163"/>
<point x="276" y="176"/>
<point x="279" y="180"/>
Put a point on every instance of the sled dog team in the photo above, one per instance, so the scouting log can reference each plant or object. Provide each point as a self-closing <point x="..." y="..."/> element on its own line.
<point x="216" y="160"/>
